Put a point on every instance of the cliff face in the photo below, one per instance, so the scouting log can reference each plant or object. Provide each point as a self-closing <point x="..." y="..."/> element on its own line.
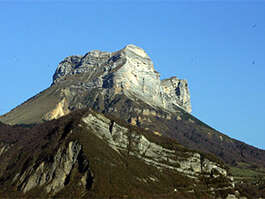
<point x="129" y="71"/>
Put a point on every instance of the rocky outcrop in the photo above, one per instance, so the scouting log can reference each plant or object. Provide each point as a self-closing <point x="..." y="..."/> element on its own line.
<point x="4" y="147"/>
<point x="51" y="174"/>
<point x="177" y="88"/>
<point x="126" y="141"/>
<point x="129" y="71"/>
<point x="60" y="110"/>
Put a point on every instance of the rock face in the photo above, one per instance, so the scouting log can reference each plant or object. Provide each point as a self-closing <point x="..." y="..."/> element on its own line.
<point x="122" y="139"/>
<point x="129" y="71"/>
<point x="52" y="174"/>
<point x="60" y="110"/>
<point x="4" y="147"/>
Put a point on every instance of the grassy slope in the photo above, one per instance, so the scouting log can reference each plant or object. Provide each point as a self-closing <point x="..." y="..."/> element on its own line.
<point x="33" y="110"/>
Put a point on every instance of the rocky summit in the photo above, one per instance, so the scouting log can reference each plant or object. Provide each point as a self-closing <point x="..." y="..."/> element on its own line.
<point x="109" y="127"/>
<point x="80" y="81"/>
<point x="128" y="71"/>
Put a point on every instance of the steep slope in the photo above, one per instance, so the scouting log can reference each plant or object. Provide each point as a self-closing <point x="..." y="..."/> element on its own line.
<point x="34" y="110"/>
<point x="88" y="155"/>
<point x="125" y="84"/>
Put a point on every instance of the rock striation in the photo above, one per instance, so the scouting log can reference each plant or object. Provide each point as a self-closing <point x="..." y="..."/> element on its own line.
<point x="51" y="174"/>
<point x="4" y="147"/>
<point x="129" y="71"/>
<point x="122" y="139"/>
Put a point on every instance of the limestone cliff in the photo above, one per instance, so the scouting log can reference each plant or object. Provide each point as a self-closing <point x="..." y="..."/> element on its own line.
<point x="122" y="139"/>
<point x="51" y="174"/>
<point x="129" y="71"/>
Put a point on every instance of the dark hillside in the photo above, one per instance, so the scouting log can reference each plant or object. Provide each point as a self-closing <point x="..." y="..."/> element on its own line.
<point x="108" y="174"/>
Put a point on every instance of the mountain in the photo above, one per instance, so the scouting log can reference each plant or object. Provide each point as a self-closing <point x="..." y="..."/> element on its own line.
<point x="137" y="119"/>
<point x="97" y="80"/>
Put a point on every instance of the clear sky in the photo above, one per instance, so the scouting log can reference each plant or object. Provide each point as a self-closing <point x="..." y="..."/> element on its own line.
<point x="218" y="46"/>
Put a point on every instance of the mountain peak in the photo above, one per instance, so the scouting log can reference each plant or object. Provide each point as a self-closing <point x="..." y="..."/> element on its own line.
<point x="136" y="50"/>
<point x="129" y="71"/>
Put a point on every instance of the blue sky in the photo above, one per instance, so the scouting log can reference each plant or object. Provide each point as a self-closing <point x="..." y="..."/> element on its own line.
<point x="218" y="46"/>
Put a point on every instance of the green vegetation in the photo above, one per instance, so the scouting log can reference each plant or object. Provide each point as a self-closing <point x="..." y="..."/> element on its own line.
<point x="244" y="172"/>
